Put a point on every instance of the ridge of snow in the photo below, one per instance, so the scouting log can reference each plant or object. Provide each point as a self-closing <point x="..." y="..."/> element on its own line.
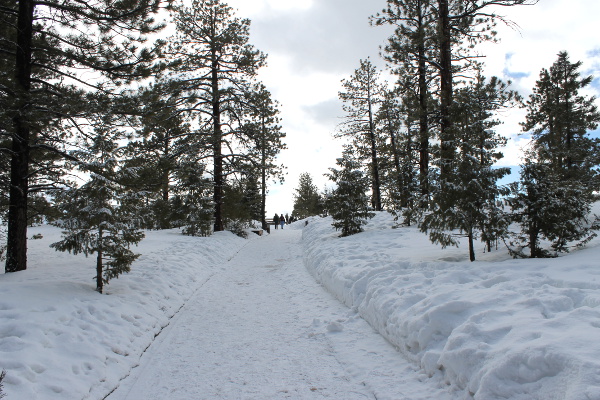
<point x="508" y="329"/>
<point x="60" y="339"/>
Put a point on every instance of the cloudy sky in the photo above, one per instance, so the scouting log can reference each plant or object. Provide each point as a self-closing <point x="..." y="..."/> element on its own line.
<point x="314" y="44"/>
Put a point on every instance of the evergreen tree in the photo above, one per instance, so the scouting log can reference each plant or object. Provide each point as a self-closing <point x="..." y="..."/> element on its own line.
<point x="397" y="122"/>
<point x="460" y="26"/>
<point x="411" y="53"/>
<point x="164" y="143"/>
<point x="2" y="376"/>
<point x="44" y="50"/>
<point x="191" y="206"/>
<point x="266" y="141"/>
<point x="242" y="202"/>
<point x="216" y="65"/>
<point x="472" y="191"/>
<point x="99" y="217"/>
<point x="348" y="203"/>
<point x="307" y="200"/>
<point x="559" y="120"/>
<point x="554" y="197"/>
<point x="361" y="96"/>
<point x="438" y="37"/>
<point x="547" y="208"/>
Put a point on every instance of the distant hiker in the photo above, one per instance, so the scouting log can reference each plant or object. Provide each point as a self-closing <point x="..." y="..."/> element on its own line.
<point x="276" y="221"/>
<point x="282" y="221"/>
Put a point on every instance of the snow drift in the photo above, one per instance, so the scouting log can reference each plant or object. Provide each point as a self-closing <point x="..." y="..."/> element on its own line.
<point x="493" y="329"/>
<point x="60" y="339"/>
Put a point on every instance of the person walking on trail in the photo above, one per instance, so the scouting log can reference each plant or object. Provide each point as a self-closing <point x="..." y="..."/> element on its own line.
<point x="276" y="221"/>
<point x="282" y="221"/>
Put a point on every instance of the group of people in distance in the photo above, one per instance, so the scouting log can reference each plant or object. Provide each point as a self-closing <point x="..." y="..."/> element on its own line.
<point x="279" y="220"/>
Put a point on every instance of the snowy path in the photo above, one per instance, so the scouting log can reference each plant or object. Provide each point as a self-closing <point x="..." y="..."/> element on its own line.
<point x="262" y="328"/>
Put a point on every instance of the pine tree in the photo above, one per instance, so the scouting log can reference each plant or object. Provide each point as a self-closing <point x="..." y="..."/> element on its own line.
<point x="460" y="26"/>
<point x="411" y="53"/>
<point x="307" y="200"/>
<point x="191" y="204"/>
<point x="164" y="143"/>
<point x="361" y="96"/>
<point x="46" y="48"/>
<point x="266" y="141"/>
<point x="469" y="201"/>
<point x="2" y="376"/>
<point x="99" y="217"/>
<point x="556" y="191"/>
<point x="348" y="203"/>
<point x="397" y="122"/>
<point x="217" y="65"/>
<point x="560" y="119"/>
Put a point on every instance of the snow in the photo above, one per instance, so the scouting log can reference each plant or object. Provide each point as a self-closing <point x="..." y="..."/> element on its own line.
<point x="59" y="339"/>
<point x="493" y="329"/>
<point x="302" y="314"/>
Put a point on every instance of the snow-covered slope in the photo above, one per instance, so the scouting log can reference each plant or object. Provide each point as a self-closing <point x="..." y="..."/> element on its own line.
<point x="493" y="329"/>
<point x="59" y="339"/>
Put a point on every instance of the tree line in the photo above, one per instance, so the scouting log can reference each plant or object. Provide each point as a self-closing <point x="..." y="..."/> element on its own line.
<point x="109" y="126"/>
<point x="425" y="146"/>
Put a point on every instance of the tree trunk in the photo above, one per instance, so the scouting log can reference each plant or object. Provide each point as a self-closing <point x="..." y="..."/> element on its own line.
<point x="471" y="246"/>
<point x="446" y="137"/>
<point x="99" y="282"/>
<point x="374" y="161"/>
<point x="423" y="114"/>
<point x="16" y="254"/>
<point x="263" y="175"/>
<point x="217" y="150"/>
<point x="395" y="154"/>
<point x="533" y="236"/>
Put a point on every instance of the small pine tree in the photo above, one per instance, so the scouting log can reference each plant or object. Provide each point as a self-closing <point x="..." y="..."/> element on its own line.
<point x="192" y="205"/>
<point x="348" y="203"/>
<point x="307" y="200"/>
<point x="99" y="217"/>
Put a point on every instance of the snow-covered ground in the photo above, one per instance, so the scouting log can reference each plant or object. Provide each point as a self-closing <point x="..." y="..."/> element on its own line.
<point x="59" y="339"/>
<point x="493" y="329"/>
<point x="227" y="318"/>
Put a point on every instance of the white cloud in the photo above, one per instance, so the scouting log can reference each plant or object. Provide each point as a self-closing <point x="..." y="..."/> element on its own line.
<point x="251" y="8"/>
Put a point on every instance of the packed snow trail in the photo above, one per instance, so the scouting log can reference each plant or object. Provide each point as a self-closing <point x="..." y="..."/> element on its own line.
<point x="262" y="328"/>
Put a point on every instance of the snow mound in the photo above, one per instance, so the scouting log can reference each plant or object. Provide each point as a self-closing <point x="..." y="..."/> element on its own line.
<point x="59" y="339"/>
<point x="493" y="329"/>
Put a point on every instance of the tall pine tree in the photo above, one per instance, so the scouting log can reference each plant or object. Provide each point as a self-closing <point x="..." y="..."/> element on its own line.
<point x="217" y="65"/>
<point x="266" y="141"/>
<point x="560" y="175"/>
<point x="47" y="46"/>
<point x="362" y="96"/>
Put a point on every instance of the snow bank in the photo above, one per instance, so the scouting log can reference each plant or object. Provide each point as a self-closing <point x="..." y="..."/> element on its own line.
<point x="493" y="329"/>
<point x="59" y="339"/>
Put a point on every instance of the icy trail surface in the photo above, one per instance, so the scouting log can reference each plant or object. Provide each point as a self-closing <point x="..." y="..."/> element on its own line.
<point x="262" y="328"/>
